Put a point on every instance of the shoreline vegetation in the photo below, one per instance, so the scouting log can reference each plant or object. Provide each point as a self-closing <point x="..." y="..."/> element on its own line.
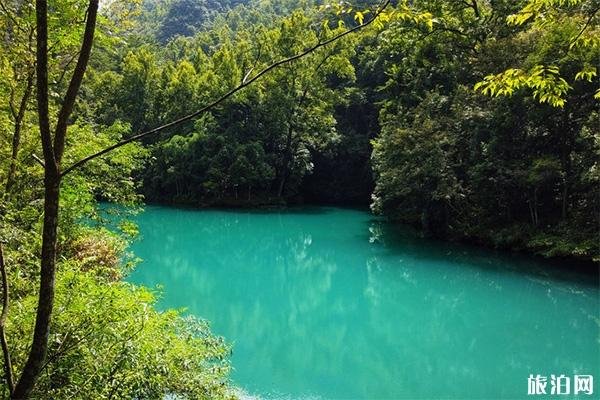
<point x="468" y="119"/>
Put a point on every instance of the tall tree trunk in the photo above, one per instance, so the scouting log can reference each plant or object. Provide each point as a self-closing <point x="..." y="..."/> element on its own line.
<point x="39" y="347"/>
<point x="281" y="184"/>
<point x="53" y="151"/>
<point x="531" y="214"/>
<point x="566" y="151"/>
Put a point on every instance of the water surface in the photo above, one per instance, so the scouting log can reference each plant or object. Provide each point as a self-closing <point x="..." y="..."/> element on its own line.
<point x="335" y="303"/>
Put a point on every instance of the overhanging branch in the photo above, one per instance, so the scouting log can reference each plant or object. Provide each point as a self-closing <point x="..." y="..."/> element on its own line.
<point x="382" y="6"/>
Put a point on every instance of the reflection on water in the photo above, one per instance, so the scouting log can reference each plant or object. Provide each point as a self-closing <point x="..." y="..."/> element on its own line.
<point x="334" y="303"/>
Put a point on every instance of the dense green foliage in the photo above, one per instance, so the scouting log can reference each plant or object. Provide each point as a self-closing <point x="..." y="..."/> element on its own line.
<point x="510" y="171"/>
<point x="518" y="170"/>
<point x="107" y="340"/>
<point x="256" y="147"/>
<point x="471" y="119"/>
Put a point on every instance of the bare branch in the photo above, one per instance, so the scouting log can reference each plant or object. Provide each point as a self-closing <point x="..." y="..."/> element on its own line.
<point x="16" y="142"/>
<point x="475" y="8"/>
<point x="39" y="160"/>
<point x="383" y="5"/>
<point x="66" y="68"/>
<point x="247" y="75"/>
<point x="11" y="104"/>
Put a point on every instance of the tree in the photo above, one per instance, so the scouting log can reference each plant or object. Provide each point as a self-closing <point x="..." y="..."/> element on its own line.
<point x="416" y="180"/>
<point x="53" y="150"/>
<point x="18" y="74"/>
<point x="53" y="145"/>
<point x="506" y="171"/>
<point x="183" y="19"/>
<point x="568" y="47"/>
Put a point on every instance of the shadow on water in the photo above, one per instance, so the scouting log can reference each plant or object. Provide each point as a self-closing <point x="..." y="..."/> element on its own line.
<point x="398" y="239"/>
<point x="265" y="209"/>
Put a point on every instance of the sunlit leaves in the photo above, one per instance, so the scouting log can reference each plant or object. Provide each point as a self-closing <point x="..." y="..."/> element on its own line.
<point x="404" y="12"/>
<point x="587" y="73"/>
<point x="359" y="17"/>
<point x="540" y="9"/>
<point x="570" y="29"/>
<point x="545" y="82"/>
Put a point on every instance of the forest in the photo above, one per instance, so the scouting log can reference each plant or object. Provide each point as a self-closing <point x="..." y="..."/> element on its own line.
<point x="470" y="120"/>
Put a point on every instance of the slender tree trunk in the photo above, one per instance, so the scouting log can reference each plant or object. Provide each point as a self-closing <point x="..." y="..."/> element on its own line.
<point x="53" y="152"/>
<point x="8" y="372"/>
<point x="281" y="184"/>
<point x="16" y="142"/>
<point x="567" y="149"/>
<point x="426" y="221"/>
<point x="529" y="203"/>
<point x="536" y="219"/>
<point x="287" y="159"/>
<point x="12" y="169"/>
<point x="565" y="199"/>
<point x="39" y="347"/>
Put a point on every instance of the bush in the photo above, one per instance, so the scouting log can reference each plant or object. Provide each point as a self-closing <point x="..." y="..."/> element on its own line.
<point x="108" y="341"/>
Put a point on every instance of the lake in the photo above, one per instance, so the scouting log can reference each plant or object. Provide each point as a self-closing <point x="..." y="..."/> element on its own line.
<point x="330" y="303"/>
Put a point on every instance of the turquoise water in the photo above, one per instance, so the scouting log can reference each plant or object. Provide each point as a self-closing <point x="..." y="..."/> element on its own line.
<point x="335" y="303"/>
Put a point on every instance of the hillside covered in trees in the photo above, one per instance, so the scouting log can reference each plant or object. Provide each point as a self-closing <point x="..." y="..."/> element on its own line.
<point x="471" y="120"/>
<point x="389" y="118"/>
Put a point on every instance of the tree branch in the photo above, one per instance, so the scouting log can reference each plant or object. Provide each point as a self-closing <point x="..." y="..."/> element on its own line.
<point x="16" y="142"/>
<point x="475" y="8"/>
<point x="39" y="160"/>
<point x="383" y="5"/>
<point x="66" y="68"/>
<point x="585" y="26"/>
<point x="75" y="84"/>
<point x="8" y="372"/>
<point x="42" y="81"/>
<point x="10" y="16"/>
